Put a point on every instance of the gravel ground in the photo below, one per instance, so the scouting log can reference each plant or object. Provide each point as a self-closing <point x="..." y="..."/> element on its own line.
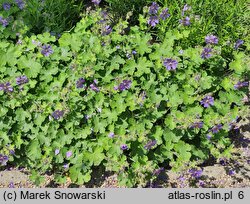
<point x="228" y="173"/>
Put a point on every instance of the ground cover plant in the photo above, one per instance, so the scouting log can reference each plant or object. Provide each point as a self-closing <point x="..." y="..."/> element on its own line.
<point x="133" y="99"/>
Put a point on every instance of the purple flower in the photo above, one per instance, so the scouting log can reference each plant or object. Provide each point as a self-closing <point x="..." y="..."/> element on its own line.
<point x="158" y="171"/>
<point x="128" y="55"/>
<point x="206" y="53"/>
<point x="22" y="80"/>
<point x="164" y="14"/>
<point x="124" y="147"/>
<point x="68" y="154"/>
<point x="197" y="125"/>
<point x="87" y="117"/>
<point x="170" y="64"/>
<point x="142" y="97"/>
<point x="211" y="39"/>
<point x="80" y="83"/>
<point x="207" y="101"/>
<point x="11" y="185"/>
<point x="6" y="87"/>
<point x="153" y="21"/>
<point x="66" y="166"/>
<point x="153" y="9"/>
<point x="12" y="152"/>
<point x="201" y="183"/>
<point x="181" y="52"/>
<point x="57" y="151"/>
<point x="111" y="135"/>
<point x="19" y="42"/>
<point x="185" y="8"/>
<point x="3" y="159"/>
<point x="126" y="84"/>
<point x="4" y="22"/>
<point x="57" y="114"/>
<point x="150" y="144"/>
<point x="46" y="50"/>
<point x="195" y="173"/>
<point x="209" y="136"/>
<point x="231" y="172"/>
<point x="241" y="84"/>
<point x="6" y="6"/>
<point x="134" y="52"/>
<point x="185" y="21"/>
<point x="216" y="128"/>
<point x="20" y="4"/>
<point x="223" y="162"/>
<point x="238" y="44"/>
<point x="106" y="30"/>
<point x="94" y="87"/>
<point x="96" y="2"/>
<point x="181" y="178"/>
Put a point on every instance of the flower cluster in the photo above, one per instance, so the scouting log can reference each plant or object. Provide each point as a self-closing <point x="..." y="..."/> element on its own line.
<point x="106" y="30"/>
<point x="6" y="6"/>
<point x="196" y="173"/>
<point x="150" y="144"/>
<point x="170" y="64"/>
<point x="153" y="9"/>
<point x="164" y="14"/>
<point x="207" y="101"/>
<point x="206" y="53"/>
<point x="4" y="21"/>
<point x="185" y="8"/>
<point x="22" y="80"/>
<point x="3" y="159"/>
<point x="185" y="21"/>
<point x="153" y="19"/>
<point x="241" y="84"/>
<point x="238" y="44"/>
<point x="6" y="87"/>
<point x="46" y="50"/>
<point x="124" y="85"/>
<point x="197" y="125"/>
<point x="216" y="128"/>
<point x="20" y="4"/>
<point x="80" y="83"/>
<point x="96" y="2"/>
<point x="211" y="39"/>
<point x="58" y="114"/>
<point x="94" y="87"/>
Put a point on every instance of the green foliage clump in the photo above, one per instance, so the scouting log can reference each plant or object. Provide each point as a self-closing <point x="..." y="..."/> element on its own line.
<point x="37" y="16"/>
<point x="132" y="103"/>
<point x="120" y="8"/>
